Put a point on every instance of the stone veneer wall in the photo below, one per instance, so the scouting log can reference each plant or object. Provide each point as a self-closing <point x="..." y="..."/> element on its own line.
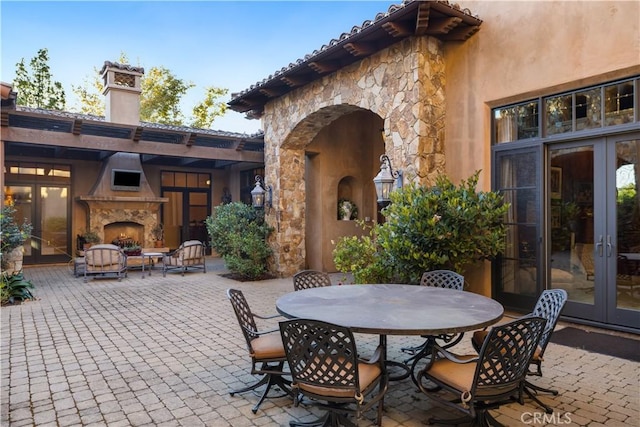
<point x="105" y="212"/>
<point x="404" y="84"/>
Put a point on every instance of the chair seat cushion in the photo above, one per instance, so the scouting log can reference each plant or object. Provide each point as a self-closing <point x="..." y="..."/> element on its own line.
<point x="456" y="375"/>
<point x="368" y="374"/>
<point x="268" y="346"/>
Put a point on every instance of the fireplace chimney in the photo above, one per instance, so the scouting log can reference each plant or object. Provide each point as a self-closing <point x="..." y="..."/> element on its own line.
<point x="122" y="90"/>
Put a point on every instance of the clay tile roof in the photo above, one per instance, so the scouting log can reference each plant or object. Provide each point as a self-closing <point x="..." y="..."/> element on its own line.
<point x="438" y="18"/>
<point x="124" y="67"/>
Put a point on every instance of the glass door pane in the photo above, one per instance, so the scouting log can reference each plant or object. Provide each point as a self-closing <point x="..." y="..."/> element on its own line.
<point x="172" y="218"/>
<point x="54" y="221"/>
<point x="571" y="225"/>
<point x="626" y="295"/>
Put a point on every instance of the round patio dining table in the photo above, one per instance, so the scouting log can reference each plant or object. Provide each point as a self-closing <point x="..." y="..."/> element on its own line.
<point x="393" y="309"/>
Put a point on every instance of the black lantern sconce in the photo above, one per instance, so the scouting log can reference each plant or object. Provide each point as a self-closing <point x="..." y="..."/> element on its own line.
<point x="385" y="179"/>
<point x="261" y="196"/>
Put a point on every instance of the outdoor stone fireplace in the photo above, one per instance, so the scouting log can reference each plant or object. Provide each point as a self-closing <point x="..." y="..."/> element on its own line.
<point x="116" y="211"/>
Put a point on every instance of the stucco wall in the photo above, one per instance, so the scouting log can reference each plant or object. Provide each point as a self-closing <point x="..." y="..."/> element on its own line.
<point x="523" y="50"/>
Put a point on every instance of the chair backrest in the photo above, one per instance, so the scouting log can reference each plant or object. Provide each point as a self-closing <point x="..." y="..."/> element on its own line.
<point x="505" y="356"/>
<point x="104" y="255"/>
<point x="245" y="316"/>
<point x="191" y="249"/>
<point x="321" y="354"/>
<point x="443" y="279"/>
<point x="549" y="306"/>
<point x="306" y="279"/>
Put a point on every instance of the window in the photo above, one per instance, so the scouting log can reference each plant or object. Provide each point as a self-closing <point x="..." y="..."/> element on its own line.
<point x="567" y="112"/>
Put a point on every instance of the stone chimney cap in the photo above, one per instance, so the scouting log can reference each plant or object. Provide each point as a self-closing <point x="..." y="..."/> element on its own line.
<point x="124" y="67"/>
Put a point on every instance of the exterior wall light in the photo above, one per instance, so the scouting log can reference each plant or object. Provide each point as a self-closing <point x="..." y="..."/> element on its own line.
<point x="261" y="196"/>
<point x="385" y="179"/>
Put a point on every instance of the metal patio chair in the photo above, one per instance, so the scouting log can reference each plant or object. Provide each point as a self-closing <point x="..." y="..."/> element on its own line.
<point x="306" y="279"/>
<point x="475" y="384"/>
<point x="441" y="279"/>
<point x="265" y="348"/>
<point x="325" y="367"/>
<point x="549" y="306"/>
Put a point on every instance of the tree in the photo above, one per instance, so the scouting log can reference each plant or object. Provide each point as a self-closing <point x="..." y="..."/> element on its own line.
<point x="160" y="97"/>
<point x="35" y="86"/>
<point x="162" y="92"/>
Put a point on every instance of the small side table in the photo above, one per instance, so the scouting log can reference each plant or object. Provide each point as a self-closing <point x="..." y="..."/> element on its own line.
<point x="149" y="256"/>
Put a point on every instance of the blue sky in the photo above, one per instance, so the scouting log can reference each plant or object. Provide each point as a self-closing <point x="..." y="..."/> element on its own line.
<point x="230" y="44"/>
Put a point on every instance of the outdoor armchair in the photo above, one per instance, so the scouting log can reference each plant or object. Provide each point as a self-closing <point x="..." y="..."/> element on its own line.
<point x="265" y="349"/>
<point x="325" y="367"/>
<point x="105" y="260"/>
<point x="474" y="384"/>
<point x="549" y="306"/>
<point x="190" y="255"/>
<point x="306" y="279"/>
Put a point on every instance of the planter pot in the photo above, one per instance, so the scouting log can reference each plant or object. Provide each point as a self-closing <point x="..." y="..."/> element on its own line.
<point x="159" y="244"/>
<point x="13" y="260"/>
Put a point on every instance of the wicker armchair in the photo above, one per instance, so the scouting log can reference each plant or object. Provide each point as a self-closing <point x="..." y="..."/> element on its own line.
<point x="325" y="367"/>
<point x="265" y="348"/>
<point x="105" y="260"/>
<point x="476" y="384"/>
<point x="549" y="306"/>
<point x="306" y="279"/>
<point x="190" y="255"/>
<point x="440" y="279"/>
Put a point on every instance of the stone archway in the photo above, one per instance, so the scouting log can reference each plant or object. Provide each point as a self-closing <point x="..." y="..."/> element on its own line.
<point x="402" y="85"/>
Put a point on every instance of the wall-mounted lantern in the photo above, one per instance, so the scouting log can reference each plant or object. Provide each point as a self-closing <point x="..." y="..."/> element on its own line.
<point x="261" y="196"/>
<point x="385" y="180"/>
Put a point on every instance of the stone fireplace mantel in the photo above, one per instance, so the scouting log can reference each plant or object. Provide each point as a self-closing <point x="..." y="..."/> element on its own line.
<point x="105" y="210"/>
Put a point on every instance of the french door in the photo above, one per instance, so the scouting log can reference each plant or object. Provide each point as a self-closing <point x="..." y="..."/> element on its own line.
<point x="593" y="228"/>
<point x="46" y="207"/>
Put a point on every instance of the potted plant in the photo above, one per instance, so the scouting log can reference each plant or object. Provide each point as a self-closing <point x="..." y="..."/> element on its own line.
<point x="347" y="210"/>
<point x="158" y="235"/>
<point x="132" y="249"/>
<point x="12" y="238"/>
<point x="89" y="238"/>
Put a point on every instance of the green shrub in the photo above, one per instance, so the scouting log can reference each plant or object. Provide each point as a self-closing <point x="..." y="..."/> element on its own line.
<point x="360" y="256"/>
<point x="12" y="234"/>
<point x="14" y="287"/>
<point x="441" y="227"/>
<point x="239" y="235"/>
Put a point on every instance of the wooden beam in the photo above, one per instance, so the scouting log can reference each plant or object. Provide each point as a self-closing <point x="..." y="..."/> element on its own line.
<point x="77" y="127"/>
<point x="397" y="29"/>
<point x="360" y="49"/>
<point x="189" y="139"/>
<point x="422" y="18"/>
<point x="270" y="93"/>
<point x="293" y="81"/>
<point x="461" y="33"/>
<point x="137" y="134"/>
<point x="111" y="145"/>
<point x="324" y="67"/>
<point x="443" y="26"/>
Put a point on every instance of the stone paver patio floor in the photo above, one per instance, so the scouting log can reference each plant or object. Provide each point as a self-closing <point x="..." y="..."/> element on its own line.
<point x="160" y="351"/>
